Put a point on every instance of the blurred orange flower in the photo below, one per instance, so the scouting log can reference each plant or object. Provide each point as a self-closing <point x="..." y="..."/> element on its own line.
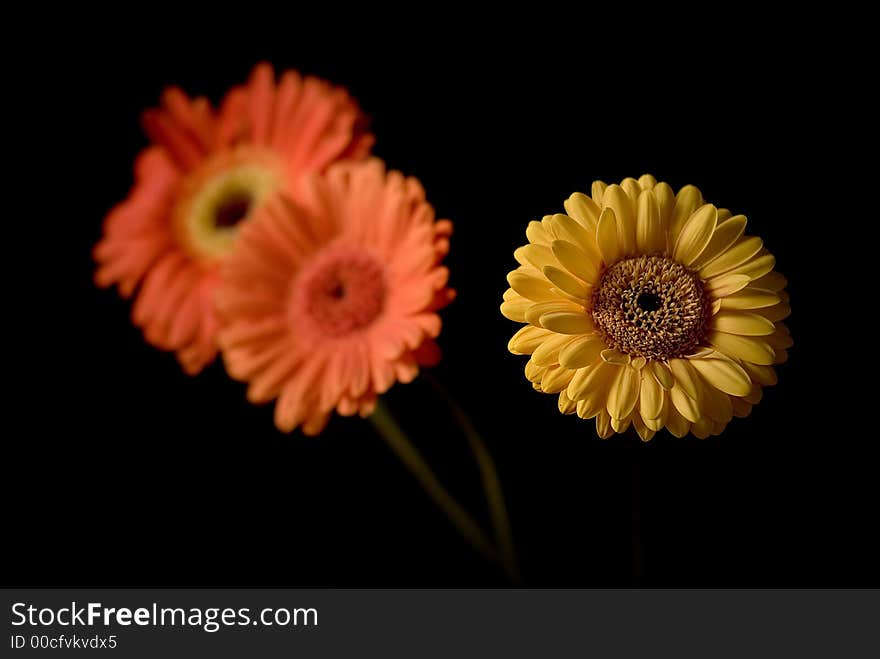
<point x="206" y="172"/>
<point x="324" y="304"/>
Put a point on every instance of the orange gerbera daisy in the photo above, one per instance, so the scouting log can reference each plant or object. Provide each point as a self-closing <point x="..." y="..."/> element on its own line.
<point x="206" y="172"/>
<point x="326" y="303"/>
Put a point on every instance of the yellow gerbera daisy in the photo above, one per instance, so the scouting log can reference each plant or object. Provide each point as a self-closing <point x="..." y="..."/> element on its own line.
<point x="648" y="308"/>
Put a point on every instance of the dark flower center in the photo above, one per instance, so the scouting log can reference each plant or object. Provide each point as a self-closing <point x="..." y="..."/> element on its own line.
<point x="233" y="209"/>
<point x="651" y="307"/>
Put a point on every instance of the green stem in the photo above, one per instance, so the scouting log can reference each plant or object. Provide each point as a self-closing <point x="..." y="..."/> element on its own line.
<point x="397" y="440"/>
<point x="491" y="483"/>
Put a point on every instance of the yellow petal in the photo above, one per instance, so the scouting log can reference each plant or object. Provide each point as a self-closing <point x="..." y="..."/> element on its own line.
<point x="612" y="356"/>
<point x="582" y="351"/>
<point x="537" y="309"/>
<point x="685" y="405"/>
<point x="779" y="341"/>
<point x="531" y="287"/>
<point x="755" y="394"/>
<point x="750" y="298"/>
<point x="624" y="393"/>
<point x="631" y="187"/>
<point x="687" y="201"/>
<point x="741" y="408"/>
<point x="724" y="375"/>
<point x="665" y="202"/>
<point x="569" y="230"/>
<point x="742" y="322"/>
<point x="763" y="375"/>
<point x="742" y="347"/>
<point x="606" y="237"/>
<point x="576" y="261"/>
<point x="620" y="425"/>
<point x="603" y="425"/>
<point x="650" y="234"/>
<point x="695" y="234"/>
<point x="590" y="407"/>
<point x="777" y="312"/>
<point x="741" y="252"/>
<point x="527" y="339"/>
<point x="638" y="363"/>
<point x="618" y="201"/>
<point x="676" y="423"/>
<point x="547" y="354"/>
<point x="516" y="309"/>
<point x="685" y="377"/>
<point x="726" y="234"/>
<point x="647" y="181"/>
<point x="534" y="373"/>
<point x="662" y="374"/>
<point x="590" y="380"/>
<point x="650" y="398"/>
<point x="565" y="322"/>
<point x="565" y="404"/>
<point x="536" y="255"/>
<point x="727" y="284"/>
<point x="537" y="234"/>
<point x="597" y="190"/>
<point x="716" y="404"/>
<point x="645" y="433"/>
<point x="565" y="281"/>
<point x="555" y="380"/>
<point x="772" y="281"/>
<point x="584" y="210"/>
<point x="756" y="267"/>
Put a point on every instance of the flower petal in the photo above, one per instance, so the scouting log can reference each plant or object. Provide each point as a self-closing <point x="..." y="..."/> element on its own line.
<point x="650" y="233"/>
<point x="619" y="202"/>
<point x="747" y="348"/>
<point x="741" y="252"/>
<point x="576" y="261"/>
<point x="724" y="375"/>
<point x="742" y="322"/>
<point x="566" y="282"/>
<point x="547" y="354"/>
<point x="624" y="393"/>
<point x="695" y="234"/>
<point x="531" y="287"/>
<point x="527" y="339"/>
<point x="584" y="210"/>
<point x="687" y="201"/>
<point x="516" y="309"/>
<point x="726" y="284"/>
<point x="650" y="398"/>
<point x="606" y="237"/>
<point x="726" y="234"/>
<point x="662" y="374"/>
<point x="583" y="351"/>
<point x="750" y="298"/>
<point x="565" y="322"/>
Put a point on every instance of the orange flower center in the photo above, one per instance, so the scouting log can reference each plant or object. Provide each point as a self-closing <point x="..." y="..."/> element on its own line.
<point x="215" y="198"/>
<point x="340" y="292"/>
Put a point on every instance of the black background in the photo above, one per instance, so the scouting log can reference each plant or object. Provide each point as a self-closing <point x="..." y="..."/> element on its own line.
<point x="124" y="471"/>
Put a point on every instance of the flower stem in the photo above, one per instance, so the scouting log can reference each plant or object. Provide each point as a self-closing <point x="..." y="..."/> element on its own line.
<point x="490" y="480"/>
<point x="397" y="440"/>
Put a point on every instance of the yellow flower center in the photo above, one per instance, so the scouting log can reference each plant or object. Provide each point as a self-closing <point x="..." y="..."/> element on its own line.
<point x="651" y="307"/>
<point x="225" y="191"/>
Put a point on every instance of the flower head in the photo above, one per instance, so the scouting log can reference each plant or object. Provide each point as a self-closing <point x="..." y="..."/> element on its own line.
<point x="648" y="308"/>
<point x="327" y="302"/>
<point x="206" y="172"/>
